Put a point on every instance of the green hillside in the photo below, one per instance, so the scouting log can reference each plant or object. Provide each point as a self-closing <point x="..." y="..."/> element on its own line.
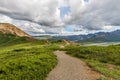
<point x="7" y="39"/>
<point x="24" y="59"/>
<point x="104" y="59"/>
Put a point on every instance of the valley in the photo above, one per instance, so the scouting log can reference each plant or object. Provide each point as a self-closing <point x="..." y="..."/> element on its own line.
<point x="59" y="39"/>
<point x="28" y="58"/>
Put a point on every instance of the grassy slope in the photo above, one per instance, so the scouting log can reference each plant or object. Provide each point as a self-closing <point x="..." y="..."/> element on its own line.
<point x="105" y="60"/>
<point x="23" y="60"/>
<point x="9" y="39"/>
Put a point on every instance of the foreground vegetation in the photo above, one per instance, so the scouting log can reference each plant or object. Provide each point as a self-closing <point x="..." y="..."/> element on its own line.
<point x="26" y="63"/>
<point x="104" y="59"/>
<point x="21" y="59"/>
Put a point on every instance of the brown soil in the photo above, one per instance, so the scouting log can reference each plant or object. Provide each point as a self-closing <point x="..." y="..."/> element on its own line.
<point x="7" y="28"/>
<point x="70" y="68"/>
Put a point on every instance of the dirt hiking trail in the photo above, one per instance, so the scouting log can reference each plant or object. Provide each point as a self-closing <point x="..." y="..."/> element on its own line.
<point x="70" y="68"/>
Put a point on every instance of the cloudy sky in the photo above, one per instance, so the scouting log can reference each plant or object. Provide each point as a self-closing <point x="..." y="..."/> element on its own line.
<point x="63" y="17"/>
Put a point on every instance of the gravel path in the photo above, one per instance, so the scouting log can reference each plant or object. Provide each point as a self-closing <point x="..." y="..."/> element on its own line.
<point x="70" y="68"/>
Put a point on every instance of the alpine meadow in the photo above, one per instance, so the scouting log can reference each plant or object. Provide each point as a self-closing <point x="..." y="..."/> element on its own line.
<point x="59" y="39"/>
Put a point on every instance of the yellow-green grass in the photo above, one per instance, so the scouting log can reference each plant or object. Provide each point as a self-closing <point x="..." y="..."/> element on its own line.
<point x="26" y="61"/>
<point x="104" y="59"/>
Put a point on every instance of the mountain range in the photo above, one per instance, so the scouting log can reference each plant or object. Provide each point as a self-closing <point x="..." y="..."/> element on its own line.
<point x="7" y="29"/>
<point x="113" y="36"/>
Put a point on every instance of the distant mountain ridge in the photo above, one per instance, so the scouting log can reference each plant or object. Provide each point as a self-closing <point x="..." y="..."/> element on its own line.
<point x="113" y="36"/>
<point x="6" y="28"/>
<point x="104" y="37"/>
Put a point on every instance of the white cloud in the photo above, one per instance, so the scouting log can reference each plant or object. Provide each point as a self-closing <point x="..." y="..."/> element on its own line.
<point x="34" y="17"/>
<point x="5" y="19"/>
<point x="63" y="3"/>
<point x="36" y="29"/>
<point x="95" y="14"/>
<point x="31" y="28"/>
<point x="43" y="12"/>
<point x="43" y="16"/>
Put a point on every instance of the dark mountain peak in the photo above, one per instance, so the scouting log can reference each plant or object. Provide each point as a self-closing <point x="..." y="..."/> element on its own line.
<point x="96" y="37"/>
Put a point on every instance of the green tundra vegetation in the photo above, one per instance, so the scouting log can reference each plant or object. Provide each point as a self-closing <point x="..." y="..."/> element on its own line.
<point x="104" y="59"/>
<point x="25" y="59"/>
<point x="21" y="59"/>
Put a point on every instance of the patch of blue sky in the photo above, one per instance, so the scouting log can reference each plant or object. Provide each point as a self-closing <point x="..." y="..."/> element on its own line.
<point x="86" y="0"/>
<point x="69" y="28"/>
<point x="64" y="11"/>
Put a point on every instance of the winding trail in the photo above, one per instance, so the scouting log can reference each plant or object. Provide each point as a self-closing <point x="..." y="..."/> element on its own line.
<point x="70" y="68"/>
